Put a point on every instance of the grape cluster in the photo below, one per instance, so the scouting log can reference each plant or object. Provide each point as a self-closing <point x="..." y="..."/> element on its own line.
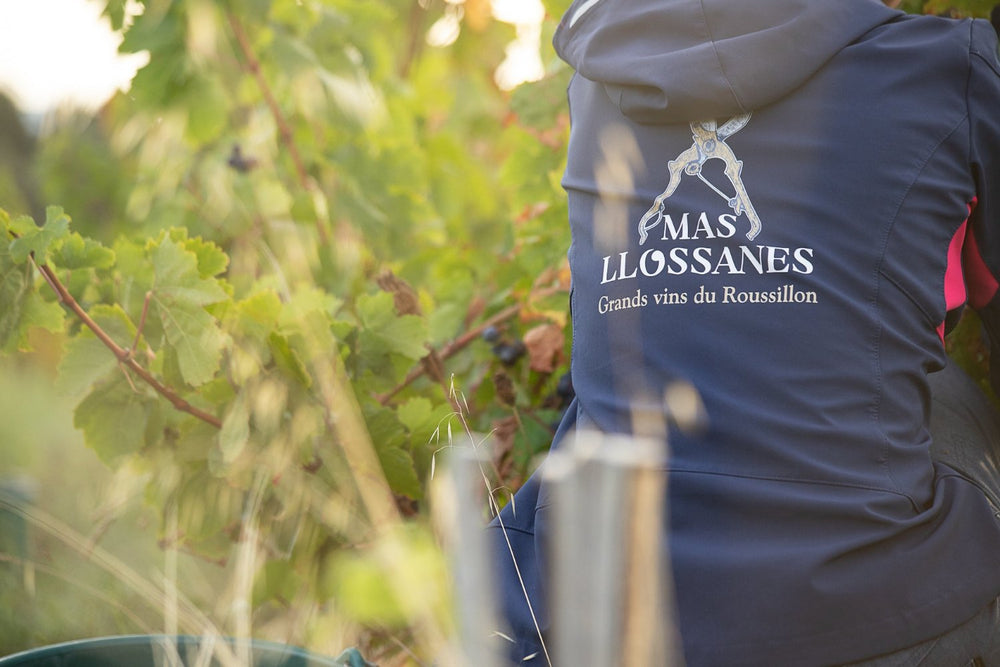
<point x="506" y="350"/>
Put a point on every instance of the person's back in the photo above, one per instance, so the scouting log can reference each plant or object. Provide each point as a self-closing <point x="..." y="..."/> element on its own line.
<point x="771" y="200"/>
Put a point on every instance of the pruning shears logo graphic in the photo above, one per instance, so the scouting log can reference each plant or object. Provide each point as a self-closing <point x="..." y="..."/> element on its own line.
<point x="709" y="143"/>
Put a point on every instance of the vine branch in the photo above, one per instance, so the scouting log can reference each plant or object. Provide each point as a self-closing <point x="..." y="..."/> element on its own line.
<point x="459" y="344"/>
<point x="123" y="355"/>
<point x="284" y="129"/>
<point x="415" y="39"/>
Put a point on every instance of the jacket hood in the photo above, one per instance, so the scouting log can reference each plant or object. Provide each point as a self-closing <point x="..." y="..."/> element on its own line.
<point x="664" y="61"/>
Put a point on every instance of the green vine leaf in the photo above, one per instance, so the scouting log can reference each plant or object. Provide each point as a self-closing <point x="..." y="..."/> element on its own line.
<point x="289" y="360"/>
<point x="196" y="338"/>
<point x="37" y="240"/>
<point x="115" y="11"/>
<point x="235" y="431"/>
<point x="212" y="260"/>
<point x="389" y="440"/>
<point x="19" y="225"/>
<point x="422" y="418"/>
<point x="405" y="335"/>
<point x="113" y="419"/>
<point x="21" y="307"/>
<point x="85" y="358"/>
<point x="207" y="109"/>
<point x="256" y="316"/>
<point x="180" y="294"/>
<point x="177" y="279"/>
<point x="399" y="471"/>
<point x="41" y="314"/>
<point x="77" y="252"/>
<point x="15" y="286"/>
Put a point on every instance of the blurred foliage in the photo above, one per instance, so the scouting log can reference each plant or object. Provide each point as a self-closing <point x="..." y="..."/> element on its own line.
<point x="287" y="240"/>
<point x="953" y="8"/>
<point x="310" y="250"/>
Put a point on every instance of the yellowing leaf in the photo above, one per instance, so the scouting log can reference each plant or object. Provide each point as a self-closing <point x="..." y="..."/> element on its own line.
<point x="545" y="344"/>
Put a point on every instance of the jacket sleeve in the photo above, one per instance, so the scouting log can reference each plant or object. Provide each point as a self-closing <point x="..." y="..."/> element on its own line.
<point x="981" y="255"/>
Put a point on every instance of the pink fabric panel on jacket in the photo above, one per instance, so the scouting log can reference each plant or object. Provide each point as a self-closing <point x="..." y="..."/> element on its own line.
<point x="981" y="283"/>
<point x="954" y="279"/>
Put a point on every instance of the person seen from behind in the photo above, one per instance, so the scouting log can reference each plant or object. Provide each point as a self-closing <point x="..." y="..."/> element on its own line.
<point x="788" y="204"/>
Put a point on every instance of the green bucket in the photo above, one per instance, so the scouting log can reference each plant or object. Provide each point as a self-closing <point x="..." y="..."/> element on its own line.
<point x="179" y="651"/>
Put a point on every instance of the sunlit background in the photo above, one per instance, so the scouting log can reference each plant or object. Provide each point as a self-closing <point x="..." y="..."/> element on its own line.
<point x="58" y="53"/>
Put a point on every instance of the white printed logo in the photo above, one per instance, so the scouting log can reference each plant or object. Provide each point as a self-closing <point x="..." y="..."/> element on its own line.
<point x="709" y="143"/>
